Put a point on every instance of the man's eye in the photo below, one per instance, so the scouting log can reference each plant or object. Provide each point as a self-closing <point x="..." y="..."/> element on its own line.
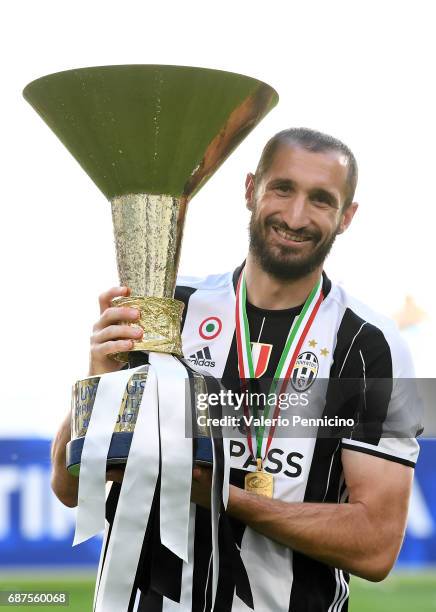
<point x="321" y="200"/>
<point x="283" y="189"/>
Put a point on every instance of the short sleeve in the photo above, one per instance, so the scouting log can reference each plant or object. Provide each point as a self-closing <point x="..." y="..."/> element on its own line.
<point x="389" y="410"/>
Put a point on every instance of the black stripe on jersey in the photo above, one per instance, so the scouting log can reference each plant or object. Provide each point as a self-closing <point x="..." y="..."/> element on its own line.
<point x="314" y="583"/>
<point x="166" y="567"/>
<point x="376" y="453"/>
<point x="150" y="603"/>
<point x="111" y="506"/>
<point x="370" y="355"/>
<point x="183" y="294"/>
<point x="236" y="274"/>
<point x="202" y="571"/>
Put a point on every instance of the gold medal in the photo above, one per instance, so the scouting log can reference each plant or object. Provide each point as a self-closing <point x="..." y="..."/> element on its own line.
<point x="260" y="482"/>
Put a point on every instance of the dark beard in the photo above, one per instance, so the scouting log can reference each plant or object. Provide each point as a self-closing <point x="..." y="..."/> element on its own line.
<point x="278" y="262"/>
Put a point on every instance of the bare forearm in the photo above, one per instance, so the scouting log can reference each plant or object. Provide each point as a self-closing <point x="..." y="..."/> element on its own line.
<point x="341" y="535"/>
<point x="63" y="484"/>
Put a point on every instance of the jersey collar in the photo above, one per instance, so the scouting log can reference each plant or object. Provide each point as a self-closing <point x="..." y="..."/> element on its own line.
<point x="326" y="282"/>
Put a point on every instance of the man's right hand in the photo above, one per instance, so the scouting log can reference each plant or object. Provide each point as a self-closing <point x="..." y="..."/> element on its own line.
<point x="111" y="334"/>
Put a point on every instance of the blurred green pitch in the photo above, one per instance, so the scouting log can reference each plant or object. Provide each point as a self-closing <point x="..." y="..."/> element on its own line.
<point x="401" y="592"/>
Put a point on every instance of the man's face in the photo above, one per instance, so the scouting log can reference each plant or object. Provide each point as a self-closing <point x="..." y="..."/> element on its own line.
<point x="297" y="210"/>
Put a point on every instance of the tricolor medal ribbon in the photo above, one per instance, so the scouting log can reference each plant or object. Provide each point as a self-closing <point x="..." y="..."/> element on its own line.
<point x="260" y="482"/>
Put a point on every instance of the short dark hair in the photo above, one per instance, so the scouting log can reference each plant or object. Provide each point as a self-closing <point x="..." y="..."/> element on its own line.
<point x="314" y="141"/>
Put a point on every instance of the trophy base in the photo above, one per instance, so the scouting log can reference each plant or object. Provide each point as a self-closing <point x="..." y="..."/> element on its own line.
<point x="119" y="451"/>
<point x="117" y="455"/>
<point x="203" y="452"/>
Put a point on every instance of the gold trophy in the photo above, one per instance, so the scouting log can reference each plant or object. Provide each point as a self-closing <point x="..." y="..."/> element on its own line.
<point x="150" y="137"/>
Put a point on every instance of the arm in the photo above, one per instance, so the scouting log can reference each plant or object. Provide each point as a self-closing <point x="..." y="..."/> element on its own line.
<point x="64" y="485"/>
<point x="108" y="337"/>
<point x="362" y="537"/>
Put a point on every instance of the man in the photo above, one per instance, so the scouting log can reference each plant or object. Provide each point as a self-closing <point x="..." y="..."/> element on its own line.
<point x="300" y="545"/>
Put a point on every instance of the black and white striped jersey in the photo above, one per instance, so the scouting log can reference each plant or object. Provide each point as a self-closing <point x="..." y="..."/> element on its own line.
<point x="347" y="340"/>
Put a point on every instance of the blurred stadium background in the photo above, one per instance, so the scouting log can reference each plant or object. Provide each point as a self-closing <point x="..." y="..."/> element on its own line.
<point x="36" y="533"/>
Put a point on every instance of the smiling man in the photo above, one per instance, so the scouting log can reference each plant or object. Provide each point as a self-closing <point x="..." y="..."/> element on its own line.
<point x="291" y="242"/>
<point x="305" y="511"/>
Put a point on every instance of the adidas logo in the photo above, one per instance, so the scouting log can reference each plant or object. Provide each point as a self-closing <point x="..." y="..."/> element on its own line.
<point x="202" y="358"/>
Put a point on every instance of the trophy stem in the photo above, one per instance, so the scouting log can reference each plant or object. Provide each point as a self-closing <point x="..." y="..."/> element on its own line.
<point x="148" y="231"/>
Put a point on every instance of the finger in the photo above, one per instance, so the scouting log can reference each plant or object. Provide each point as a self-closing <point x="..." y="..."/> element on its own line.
<point x="105" y="298"/>
<point x="117" y="332"/>
<point x="116" y="315"/>
<point x="110" y="347"/>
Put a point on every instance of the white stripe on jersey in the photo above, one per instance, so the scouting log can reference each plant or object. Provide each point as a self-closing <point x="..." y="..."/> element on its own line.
<point x="207" y="581"/>
<point x="338" y="591"/>
<point x="401" y="448"/>
<point x="351" y="346"/>
<point x="137" y="600"/>
<point x="211" y="301"/>
<point x="345" y="594"/>
<point x="269" y="567"/>
<point x="330" y="471"/>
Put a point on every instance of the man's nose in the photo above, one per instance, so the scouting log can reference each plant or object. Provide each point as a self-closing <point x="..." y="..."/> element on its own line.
<point x="296" y="213"/>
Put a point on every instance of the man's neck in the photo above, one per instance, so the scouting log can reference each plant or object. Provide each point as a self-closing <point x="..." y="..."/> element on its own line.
<point x="265" y="291"/>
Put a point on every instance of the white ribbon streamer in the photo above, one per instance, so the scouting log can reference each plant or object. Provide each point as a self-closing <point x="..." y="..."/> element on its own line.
<point x="226" y="475"/>
<point x="134" y="504"/>
<point x="90" y="518"/>
<point x="176" y="454"/>
<point x="215" y="516"/>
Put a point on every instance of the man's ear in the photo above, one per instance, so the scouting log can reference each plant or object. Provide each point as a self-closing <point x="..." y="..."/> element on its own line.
<point x="249" y="191"/>
<point x="347" y="217"/>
